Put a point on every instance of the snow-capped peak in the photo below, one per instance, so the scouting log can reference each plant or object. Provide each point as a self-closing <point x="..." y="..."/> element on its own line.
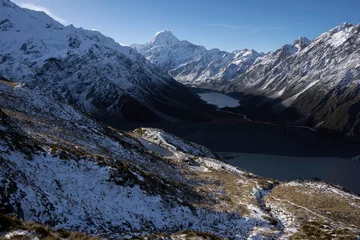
<point x="338" y="35"/>
<point x="164" y="38"/>
<point x="303" y="40"/>
<point x="190" y="63"/>
<point x="342" y="27"/>
<point x="300" y="43"/>
<point x="245" y="52"/>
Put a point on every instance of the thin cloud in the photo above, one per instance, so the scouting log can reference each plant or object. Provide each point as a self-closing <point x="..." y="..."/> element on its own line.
<point x="250" y="28"/>
<point x="256" y="30"/>
<point x="43" y="9"/>
<point x="226" y="26"/>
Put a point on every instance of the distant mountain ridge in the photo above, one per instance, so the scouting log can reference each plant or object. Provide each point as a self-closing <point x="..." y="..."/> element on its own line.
<point x="193" y="64"/>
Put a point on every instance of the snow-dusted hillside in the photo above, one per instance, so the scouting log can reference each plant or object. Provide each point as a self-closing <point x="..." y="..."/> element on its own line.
<point x="192" y="64"/>
<point x="320" y="81"/>
<point x="60" y="168"/>
<point x="86" y="68"/>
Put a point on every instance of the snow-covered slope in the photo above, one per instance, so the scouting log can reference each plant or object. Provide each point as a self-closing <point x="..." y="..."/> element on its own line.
<point x="320" y="81"/>
<point x="192" y="64"/>
<point x="60" y="168"/>
<point x="86" y="68"/>
<point x="265" y="64"/>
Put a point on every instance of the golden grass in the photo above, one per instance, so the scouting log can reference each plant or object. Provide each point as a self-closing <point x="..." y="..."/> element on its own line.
<point x="320" y="230"/>
<point x="327" y="204"/>
<point x="233" y="192"/>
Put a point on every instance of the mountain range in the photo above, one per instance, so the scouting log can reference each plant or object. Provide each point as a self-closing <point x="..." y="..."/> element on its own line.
<point x="313" y="83"/>
<point x="192" y="64"/>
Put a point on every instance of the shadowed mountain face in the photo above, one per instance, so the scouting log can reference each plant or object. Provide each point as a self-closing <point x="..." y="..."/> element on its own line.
<point x="88" y="69"/>
<point x="319" y="83"/>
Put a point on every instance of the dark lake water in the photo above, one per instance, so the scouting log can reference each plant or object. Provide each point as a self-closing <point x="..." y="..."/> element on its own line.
<point x="341" y="171"/>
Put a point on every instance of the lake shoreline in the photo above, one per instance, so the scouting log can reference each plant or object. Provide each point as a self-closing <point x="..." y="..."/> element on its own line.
<point x="338" y="171"/>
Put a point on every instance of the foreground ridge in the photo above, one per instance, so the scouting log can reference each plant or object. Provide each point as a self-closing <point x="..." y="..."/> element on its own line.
<point x="61" y="168"/>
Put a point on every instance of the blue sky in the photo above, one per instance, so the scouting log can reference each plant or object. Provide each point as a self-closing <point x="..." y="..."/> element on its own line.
<point x="263" y="25"/>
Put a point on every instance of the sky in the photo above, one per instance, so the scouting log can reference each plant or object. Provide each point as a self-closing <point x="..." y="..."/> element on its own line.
<point x="263" y="25"/>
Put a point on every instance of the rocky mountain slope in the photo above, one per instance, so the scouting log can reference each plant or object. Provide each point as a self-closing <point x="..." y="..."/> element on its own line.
<point x="317" y="86"/>
<point x="89" y="70"/>
<point x="63" y="169"/>
<point x="192" y="64"/>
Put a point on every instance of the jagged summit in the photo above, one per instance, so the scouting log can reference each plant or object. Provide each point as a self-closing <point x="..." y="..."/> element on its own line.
<point x="346" y="25"/>
<point x="303" y="39"/>
<point x="342" y="27"/>
<point x="289" y="49"/>
<point x="164" y="37"/>
<point x="245" y="51"/>
<point x="300" y="43"/>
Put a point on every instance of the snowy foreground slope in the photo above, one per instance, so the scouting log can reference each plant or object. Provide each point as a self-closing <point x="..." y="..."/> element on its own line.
<point x="63" y="169"/>
<point x="87" y="69"/>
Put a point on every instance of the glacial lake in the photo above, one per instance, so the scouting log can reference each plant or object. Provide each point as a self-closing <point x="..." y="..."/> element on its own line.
<point x="219" y="99"/>
<point x="344" y="172"/>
